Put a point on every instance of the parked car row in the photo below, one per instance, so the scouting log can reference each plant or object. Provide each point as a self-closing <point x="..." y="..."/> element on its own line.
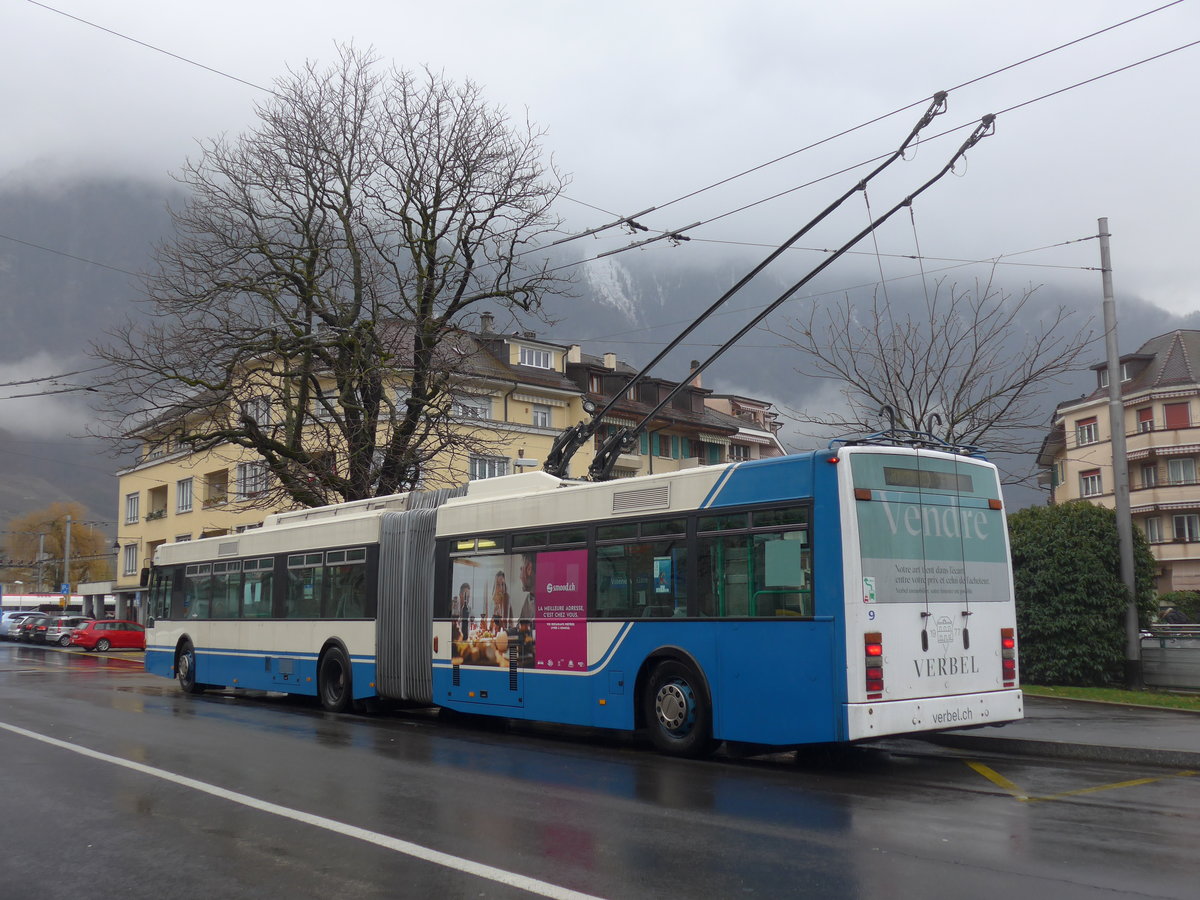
<point x="35" y="627"/>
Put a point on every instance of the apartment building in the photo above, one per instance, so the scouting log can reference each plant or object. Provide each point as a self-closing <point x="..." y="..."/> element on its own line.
<point x="516" y="394"/>
<point x="1160" y="395"/>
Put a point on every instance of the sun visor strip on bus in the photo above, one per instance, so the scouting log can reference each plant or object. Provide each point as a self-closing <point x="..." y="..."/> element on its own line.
<point x="403" y="651"/>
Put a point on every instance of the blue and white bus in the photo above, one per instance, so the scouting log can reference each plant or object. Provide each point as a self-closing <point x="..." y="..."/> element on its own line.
<point x="831" y="596"/>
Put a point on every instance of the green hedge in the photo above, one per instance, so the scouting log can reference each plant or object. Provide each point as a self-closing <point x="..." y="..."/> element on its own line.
<point x="1071" y="601"/>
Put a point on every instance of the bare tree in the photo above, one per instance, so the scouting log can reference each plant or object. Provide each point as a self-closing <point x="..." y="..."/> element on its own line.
<point x="311" y="306"/>
<point x="966" y="367"/>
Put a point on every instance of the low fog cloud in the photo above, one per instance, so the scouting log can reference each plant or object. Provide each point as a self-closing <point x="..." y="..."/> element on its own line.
<point x="35" y="402"/>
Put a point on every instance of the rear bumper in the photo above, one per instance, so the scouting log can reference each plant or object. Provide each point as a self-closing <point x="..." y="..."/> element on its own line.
<point x="881" y="718"/>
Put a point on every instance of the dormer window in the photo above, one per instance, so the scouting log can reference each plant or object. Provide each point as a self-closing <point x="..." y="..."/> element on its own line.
<point x="537" y="359"/>
<point x="1125" y="376"/>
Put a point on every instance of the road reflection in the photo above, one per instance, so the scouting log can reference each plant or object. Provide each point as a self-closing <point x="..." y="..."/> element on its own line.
<point x="62" y="657"/>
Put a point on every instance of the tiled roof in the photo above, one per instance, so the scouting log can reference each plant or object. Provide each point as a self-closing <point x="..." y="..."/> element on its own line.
<point x="1166" y="361"/>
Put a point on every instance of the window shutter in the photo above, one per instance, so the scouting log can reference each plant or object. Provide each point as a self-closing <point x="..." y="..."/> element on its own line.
<point x="1175" y="415"/>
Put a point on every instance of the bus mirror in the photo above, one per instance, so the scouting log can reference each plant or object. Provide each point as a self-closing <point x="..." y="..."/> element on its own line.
<point x="144" y="580"/>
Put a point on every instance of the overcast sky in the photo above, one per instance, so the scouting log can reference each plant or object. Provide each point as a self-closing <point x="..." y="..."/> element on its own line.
<point x="646" y="101"/>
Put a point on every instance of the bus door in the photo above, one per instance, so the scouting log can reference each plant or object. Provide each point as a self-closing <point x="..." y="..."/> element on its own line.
<point x="933" y="546"/>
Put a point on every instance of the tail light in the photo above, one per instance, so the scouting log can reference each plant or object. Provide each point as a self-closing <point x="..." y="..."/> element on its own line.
<point x="1008" y="656"/>
<point x="873" y="652"/>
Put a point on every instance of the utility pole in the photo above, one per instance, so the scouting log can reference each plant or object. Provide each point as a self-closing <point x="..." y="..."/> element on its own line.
<point x="67" y="565"/>
<point x="1120" y="465"/>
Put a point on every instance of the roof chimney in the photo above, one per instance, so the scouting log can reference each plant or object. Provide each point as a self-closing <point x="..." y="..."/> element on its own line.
<point x="486" y="321"/>
<point x="696" y="378"/>
<point x="610" y="361"/>
<point x="574" y="354"/>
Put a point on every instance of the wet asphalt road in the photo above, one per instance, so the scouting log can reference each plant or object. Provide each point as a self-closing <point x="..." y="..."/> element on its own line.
<point x="253" y="796"/>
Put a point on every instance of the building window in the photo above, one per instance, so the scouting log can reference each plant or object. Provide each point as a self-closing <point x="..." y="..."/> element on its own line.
<point x="473" y="407"/>
<point x="258" y="410"/>
<point x="1154" y="530"/>
<point x="251" y="480"/>
<point x="1187" y="528"/>
<point x="183" y="495"/>
<point x="182" y="538"/>
<point x="596" y="383"/>
<point x="538" y="359"/>
<point x="1089" y="483"/>
<point x="1149" y="475"/>
<point x="130" y="560"/>
<point x="541" y="415"/>
<point x="1181" y="471"/>
<point x="1104" y="375"/>
<point x="1145" y="419"/>
<point x="132" y="515"/>
<point x="1175" y="415"/>
<point x="487" y="467"/>
<point x="1087" y="431"/>
<point x="738" y="452"/>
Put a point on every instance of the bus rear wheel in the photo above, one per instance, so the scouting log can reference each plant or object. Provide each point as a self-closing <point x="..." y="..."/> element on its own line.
<point x="334" y="681"/>
<point x="185" y="670"/>
<point x="677" y="711"/>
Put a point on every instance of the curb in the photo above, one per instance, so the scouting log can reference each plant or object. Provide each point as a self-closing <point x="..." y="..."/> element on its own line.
<point x="1176" y="759"/>
<point x="1171" y="709"/>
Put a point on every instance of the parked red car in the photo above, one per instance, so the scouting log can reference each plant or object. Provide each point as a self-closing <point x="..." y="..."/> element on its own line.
<point x="105" y="634"/>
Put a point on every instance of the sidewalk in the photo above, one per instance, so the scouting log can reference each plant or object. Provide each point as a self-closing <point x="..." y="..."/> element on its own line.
<point x="1076" y="729"/>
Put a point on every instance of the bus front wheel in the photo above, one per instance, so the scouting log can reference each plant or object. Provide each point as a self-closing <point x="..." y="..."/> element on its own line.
<point x="334" y="682"/>
<point x="677" y="711"/>
<point x="185" y="670"/>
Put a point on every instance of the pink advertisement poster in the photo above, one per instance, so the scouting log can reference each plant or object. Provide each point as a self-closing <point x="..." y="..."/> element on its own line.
<point x="561" y="610"/>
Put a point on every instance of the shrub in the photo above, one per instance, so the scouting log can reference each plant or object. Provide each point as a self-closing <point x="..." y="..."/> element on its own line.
<point x="1071" y="601"/>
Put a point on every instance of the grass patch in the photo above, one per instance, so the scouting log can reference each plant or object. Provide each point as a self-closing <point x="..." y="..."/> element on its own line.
<point x="1117" y="695"/>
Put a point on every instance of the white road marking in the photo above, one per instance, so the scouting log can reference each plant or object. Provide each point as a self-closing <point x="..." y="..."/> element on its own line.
<point x="501" y="876"/>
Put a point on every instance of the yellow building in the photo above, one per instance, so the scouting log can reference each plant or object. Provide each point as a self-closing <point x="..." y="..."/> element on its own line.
<point x="519" y="394"/>
<point x="1160" y="395"/>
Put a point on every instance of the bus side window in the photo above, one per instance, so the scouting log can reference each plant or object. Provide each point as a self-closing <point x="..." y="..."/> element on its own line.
<point x="257" y="588"/>
<point x="783" y="575"/>
<point x="760" y="575"/>
<point x="724" y="567"/>
<point x="305" y="580"/>
<point x="347" y="598"/>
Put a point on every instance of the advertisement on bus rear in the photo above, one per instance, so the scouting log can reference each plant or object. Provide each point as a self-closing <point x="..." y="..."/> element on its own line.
<point x="929" y="535"/>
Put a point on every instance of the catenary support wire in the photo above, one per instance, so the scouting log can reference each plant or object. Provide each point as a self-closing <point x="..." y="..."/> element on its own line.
<point x="566" y="444"/>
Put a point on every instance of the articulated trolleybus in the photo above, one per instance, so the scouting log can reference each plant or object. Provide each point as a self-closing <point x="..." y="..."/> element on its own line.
<point x="830" y="596"/>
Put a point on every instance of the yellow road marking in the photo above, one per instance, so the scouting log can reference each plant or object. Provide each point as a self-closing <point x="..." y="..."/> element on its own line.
<point x="996" y="778"/>
<point x="1000" y="781"/>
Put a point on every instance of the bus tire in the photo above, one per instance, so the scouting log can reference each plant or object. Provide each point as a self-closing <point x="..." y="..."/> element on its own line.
<point x="335" y="684"/>
<point x="185" y="670"/>
<point x="677" y="712"/>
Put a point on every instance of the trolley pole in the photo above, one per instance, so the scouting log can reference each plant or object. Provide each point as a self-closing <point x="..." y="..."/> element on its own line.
<point x="1120" y="465"/>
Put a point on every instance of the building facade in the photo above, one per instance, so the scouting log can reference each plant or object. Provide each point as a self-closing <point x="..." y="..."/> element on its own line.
<point x="518" y="395"/>
<point x="1160" y="396"/>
